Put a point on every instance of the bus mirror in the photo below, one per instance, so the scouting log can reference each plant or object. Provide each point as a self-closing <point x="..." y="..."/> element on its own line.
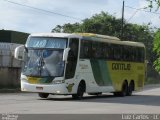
<point x="18" y="54"/>
<point x="65" y="54"/>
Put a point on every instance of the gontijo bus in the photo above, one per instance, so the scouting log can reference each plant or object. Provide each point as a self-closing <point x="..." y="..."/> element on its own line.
<point x="72" y="64"/>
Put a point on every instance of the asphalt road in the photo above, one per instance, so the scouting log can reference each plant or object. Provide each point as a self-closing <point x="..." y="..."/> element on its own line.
<point x="147" y="101"/>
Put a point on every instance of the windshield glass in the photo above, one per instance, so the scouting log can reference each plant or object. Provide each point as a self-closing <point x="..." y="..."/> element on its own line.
<point x="46" y="42"/>
<point x="44" y="59"/>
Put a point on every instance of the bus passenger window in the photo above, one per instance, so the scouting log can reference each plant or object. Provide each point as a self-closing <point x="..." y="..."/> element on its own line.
<point x="85" y="51"/>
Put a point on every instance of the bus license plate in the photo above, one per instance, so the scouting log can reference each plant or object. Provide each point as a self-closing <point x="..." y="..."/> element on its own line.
<point x="39" y="88"/>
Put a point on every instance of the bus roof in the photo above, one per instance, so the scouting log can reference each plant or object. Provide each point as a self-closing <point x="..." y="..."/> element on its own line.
<point x="97" y="36"/>
<point x="62" y="35"/>
<point x="71" y="35"/>
<point x="90" y="36"/>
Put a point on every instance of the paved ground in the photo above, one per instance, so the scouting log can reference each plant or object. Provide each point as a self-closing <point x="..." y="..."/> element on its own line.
<point x="147" y="101"/>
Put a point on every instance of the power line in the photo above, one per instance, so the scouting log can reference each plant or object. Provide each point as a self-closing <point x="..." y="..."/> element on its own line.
<point x="142" y="10"/>
<point x="135" y="13"/>
<point x="47" y="11"/>
<point x="43" y="10"/>
<point x="132" y="15"/>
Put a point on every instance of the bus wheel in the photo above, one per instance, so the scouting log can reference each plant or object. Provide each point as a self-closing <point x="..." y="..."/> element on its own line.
<point x="43" y="95"/>
<point x="124" y="91"/>
<point x="117" y="94"/>
<point x="80" y="91"/>
<point x="130" y="88"/>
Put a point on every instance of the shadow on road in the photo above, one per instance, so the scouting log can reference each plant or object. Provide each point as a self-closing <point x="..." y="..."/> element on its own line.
<point x="135" y="99"/>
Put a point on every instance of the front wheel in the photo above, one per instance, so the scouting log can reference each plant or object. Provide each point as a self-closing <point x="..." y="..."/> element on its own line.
<point x="43" y="95"/>
<point x="80" y="91"/>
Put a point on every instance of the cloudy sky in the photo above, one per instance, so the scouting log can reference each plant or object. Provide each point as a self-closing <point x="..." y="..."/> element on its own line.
<point x="14" y="15"/>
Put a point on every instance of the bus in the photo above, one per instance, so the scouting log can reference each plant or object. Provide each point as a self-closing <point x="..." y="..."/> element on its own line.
<point x="78" y="63"/>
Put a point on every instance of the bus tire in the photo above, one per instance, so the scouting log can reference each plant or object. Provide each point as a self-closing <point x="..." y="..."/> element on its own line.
<point x="130" y="88"/>
<point x="116" y="94"/>
<point x="124" y="90"/>
<point x="43" y="95"/>
<point x="80" y="91"/>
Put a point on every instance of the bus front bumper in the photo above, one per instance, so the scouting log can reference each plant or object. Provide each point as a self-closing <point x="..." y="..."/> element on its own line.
<point x="38" y="88"/>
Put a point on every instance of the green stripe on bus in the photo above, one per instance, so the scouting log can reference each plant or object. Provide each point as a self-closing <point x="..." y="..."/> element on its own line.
<point x="101" y="72"/>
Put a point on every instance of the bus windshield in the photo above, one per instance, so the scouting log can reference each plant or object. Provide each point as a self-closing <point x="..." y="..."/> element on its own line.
<point x="44" y="57"/>
<point x="46" y="42"/>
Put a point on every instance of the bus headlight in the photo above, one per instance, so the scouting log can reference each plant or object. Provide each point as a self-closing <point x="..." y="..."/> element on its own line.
<point x="58" y="81"/>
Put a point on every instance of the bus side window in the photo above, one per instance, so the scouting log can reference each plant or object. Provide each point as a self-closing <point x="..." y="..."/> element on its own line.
<point x="104" y="51"/>
<point x="125" y="53"/>
<point x="110" y="51"/>
<point x="85" y="51"/>
<point x="141" y="54"/>
<point x="82" y="51"/>
<point x="117" y="52"/>
<point x="134" y="54"/>
<point x="94" y="48"/>
<point x="100" y="51"/>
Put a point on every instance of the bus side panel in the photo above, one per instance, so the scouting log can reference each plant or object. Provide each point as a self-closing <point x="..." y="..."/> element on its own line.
<point x="120" y="71"/>
<point x="84" y="72"/>
<point x="94" y="73"/>
<point x="101" y="73"/>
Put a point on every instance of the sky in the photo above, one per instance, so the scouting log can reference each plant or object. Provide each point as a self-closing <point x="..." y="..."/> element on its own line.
<point x="58" y="12"/>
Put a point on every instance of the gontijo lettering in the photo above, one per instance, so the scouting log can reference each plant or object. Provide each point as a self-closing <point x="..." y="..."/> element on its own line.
<point x="121" y="66"/>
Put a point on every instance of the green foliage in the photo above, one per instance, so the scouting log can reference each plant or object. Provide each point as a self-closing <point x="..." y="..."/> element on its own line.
<point x="156" y="46"/>
<point x="100" y="24"/>
<point x="156" y="42"/>
<point x="153" y="3"/>
<point x="156" y="49"/>
<point x="58" y="29"/>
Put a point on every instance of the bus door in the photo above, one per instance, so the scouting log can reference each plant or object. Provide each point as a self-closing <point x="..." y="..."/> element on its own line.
<point x="72" y="58"/>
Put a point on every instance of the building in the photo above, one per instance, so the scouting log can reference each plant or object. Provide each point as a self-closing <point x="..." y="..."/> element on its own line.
<point x="9" y="36"/>
<point x="10" y="68"/>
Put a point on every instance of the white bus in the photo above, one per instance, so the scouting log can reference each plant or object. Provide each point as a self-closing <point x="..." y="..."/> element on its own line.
<point x="78" y="63"/>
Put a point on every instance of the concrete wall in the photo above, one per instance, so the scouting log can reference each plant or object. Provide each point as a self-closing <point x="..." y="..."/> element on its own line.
<point x="10" y="68"/>
<point x="9" y="77"/>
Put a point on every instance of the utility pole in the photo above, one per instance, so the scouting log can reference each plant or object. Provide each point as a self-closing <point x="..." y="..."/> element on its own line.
<point x="122" y="25"/>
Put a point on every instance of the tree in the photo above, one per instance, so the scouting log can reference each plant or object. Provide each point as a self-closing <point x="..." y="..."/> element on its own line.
<point x="58" y="29"/>
<point x="156" y="43"/>
<point x="156" y="49"/>
<point x="152" y="3"/>
<point x="100" y="24"/>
